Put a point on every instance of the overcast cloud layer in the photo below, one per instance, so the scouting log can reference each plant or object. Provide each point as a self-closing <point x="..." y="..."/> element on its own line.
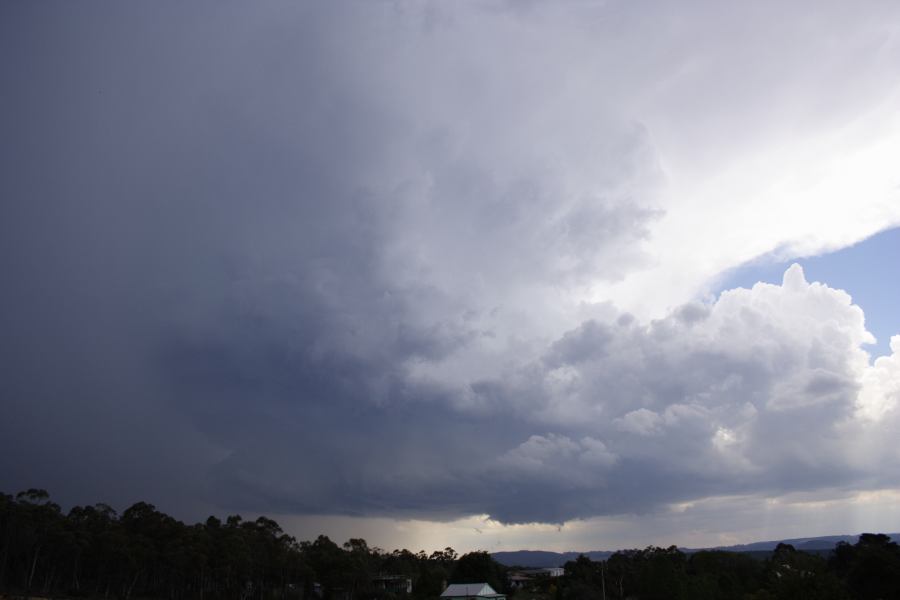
<point x="432" y="260"/>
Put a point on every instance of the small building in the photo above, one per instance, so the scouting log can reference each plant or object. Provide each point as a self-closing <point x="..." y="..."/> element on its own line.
<point x="396" y="584"/>
<point x="546" y="572"/>
<point x="518" y="581"/>
<point x="471" y="591"/>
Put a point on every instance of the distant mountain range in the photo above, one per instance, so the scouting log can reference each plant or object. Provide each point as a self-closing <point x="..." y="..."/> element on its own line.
<point x="540" y="558"/>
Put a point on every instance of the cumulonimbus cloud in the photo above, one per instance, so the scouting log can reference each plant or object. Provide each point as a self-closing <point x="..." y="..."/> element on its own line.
<point x="767" y="390"/>
<point x="441" y="260"/>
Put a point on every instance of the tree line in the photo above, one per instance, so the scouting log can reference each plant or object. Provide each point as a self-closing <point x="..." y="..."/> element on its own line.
<point x="867" y="570"/>
<point x="95" y="552"/>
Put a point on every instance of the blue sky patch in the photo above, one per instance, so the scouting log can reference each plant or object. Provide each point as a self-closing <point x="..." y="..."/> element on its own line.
<point x="867" y="271"/>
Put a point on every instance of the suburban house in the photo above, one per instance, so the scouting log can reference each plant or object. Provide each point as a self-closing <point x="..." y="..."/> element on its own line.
<point x="396" y="584"/>
<point x="466" y="591"/>
<point x="522" y="579"/>
<point x="546" y="572"/>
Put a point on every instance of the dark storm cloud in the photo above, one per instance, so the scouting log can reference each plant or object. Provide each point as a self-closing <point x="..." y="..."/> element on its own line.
<point x="204" y="231"/>
<point x="310" y="260"/>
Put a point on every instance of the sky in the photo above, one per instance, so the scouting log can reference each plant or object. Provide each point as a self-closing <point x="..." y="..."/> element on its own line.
<point x="495" y="275"/>
<point x="865" y="270"/>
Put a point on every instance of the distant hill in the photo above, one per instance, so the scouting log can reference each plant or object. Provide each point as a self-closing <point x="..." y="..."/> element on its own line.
<point x="537" y="559"/>
<point x="826" y="542"/>
<point x="540" y="558"/>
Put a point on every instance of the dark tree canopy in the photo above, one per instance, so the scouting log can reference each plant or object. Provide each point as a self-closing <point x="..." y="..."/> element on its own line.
<point x="143" y="553"/>
<point x="95" y="552"/>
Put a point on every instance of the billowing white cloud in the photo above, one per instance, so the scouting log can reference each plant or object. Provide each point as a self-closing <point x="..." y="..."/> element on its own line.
<point x="766" y="390"/>
<point x="880" y="395"/>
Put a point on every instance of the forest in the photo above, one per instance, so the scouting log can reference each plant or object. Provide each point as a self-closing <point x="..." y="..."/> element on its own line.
<point x="142" y="553"/>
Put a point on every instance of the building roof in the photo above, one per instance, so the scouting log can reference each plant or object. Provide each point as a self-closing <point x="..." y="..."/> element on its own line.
<point x="470" y="590"/>
<point x="549" y="571"/>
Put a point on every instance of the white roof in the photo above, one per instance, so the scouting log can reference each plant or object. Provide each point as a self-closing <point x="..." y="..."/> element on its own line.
<point x="461" y="590"/>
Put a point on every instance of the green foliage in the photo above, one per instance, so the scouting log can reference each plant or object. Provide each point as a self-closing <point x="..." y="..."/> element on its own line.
<point x="143" y="553"/>
<point x="479" y="567"/>
<point x="871" y="568"/>
<point x="868" y="570"/>
<point x="718" y="575"/>
<point x="801" y="576"/>
<point x="584" y="580"/>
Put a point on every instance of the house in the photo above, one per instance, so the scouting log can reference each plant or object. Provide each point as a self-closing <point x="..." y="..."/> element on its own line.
<point x="526" y="578"/>
<point x="547" y="572"/>
<point x="396" y="584"/>
<point x="466" y="591"/>
<point x="336" y="593"/>
<point x="518" y="581"/>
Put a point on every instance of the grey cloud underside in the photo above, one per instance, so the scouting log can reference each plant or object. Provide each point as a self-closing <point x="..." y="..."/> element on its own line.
<point x="269" y="265"/>
<point x="422" y="460"/>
